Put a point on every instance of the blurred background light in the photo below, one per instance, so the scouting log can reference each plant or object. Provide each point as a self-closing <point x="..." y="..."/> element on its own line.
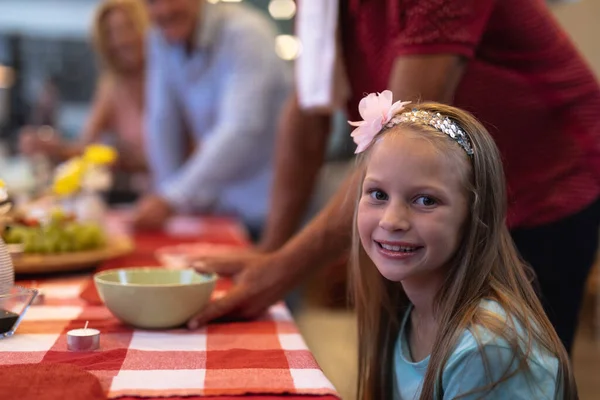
<point x="282" y="9"/>
<point x="288" y="47"/>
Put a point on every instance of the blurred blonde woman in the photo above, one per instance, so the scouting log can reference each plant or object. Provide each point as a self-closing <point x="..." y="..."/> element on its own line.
<point x="117" y="110"/>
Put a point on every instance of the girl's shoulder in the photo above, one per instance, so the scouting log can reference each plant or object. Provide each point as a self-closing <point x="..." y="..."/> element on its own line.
<point x="478" y="336"/>
<point x="481" y="357"/>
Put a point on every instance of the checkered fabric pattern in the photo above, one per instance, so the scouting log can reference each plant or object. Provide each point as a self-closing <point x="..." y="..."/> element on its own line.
<point x="266" y="356"/>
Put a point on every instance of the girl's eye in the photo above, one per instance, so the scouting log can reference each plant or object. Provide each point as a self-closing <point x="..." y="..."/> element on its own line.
<point x="378" y="195"/>
<point x="426" y="201"/>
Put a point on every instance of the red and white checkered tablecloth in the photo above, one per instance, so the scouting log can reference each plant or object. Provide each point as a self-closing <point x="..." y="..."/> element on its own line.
<point x="267" y="356"/>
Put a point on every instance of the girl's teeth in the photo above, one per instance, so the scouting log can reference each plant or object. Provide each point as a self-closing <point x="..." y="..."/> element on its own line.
<point x="398" y="248"/>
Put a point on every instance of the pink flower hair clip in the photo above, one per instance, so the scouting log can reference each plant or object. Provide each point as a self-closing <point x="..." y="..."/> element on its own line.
<point x="376" y="110"/>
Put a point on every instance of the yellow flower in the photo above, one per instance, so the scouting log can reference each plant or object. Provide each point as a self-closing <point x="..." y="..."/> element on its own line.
<point x="68" y="177"/>
<point x="99" y="154"/>
<point x="3" y="194"/>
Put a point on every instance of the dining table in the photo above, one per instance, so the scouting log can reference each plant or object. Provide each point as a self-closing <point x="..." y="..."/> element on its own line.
<point x="265" y="358"/>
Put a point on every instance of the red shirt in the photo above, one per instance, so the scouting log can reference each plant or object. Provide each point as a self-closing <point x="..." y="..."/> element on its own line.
<point x="525" y="81"/>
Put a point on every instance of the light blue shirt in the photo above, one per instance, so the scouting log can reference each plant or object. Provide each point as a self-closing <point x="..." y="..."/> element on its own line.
<point x="465" y="368"/>
<point x="227" y="95"/>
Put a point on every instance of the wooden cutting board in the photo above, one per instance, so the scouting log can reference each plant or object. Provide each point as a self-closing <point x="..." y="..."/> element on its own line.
<point x="45" y="263"/>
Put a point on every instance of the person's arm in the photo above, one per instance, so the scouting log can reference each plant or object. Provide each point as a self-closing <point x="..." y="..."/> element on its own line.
<point x="58" y="149"/>
<point x="299" y="154"/>
<point x="242" y="136"/>
<point x="98" y="121"/>
<point x="302" y="140"/>
<point x="99" y="118"/>
<point x="431" y="53"/>
<point x="327" y="237"/>
<point x="430" y="72"/>
<point x="264" y="279"/>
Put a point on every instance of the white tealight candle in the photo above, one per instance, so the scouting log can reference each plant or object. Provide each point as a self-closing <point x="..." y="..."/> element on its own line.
<point x="83" y="339"/>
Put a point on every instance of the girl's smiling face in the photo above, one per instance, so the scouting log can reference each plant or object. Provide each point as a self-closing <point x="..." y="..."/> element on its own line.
<point x="412" y="208"/>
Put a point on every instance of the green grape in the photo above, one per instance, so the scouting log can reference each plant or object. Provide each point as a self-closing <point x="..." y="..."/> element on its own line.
<point x="97" y="234"/>
<point x="58" y="216"/>
<point x="39" y="242"/>
<point x="71" y="229"/>
<point x="57" y="237"/>
<point x="88" y="236"/>
<point x="15" y="234"/>
<point x="52" y="241"/>
<point x="65" y="246"/>
<point x="68" y="239"/>
<point x="29" y="243"/>
<point x="78" y="243"/>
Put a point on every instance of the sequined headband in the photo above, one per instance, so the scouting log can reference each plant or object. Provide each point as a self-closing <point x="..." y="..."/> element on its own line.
<point x="437" y="121"/>
<point x="379" y="113"/>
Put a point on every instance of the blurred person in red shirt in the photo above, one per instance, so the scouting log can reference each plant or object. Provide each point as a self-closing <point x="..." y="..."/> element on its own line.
<point x="511" y="65"/>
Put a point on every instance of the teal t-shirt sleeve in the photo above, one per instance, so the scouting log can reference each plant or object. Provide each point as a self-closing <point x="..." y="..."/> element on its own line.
<point x="467" y="372"/>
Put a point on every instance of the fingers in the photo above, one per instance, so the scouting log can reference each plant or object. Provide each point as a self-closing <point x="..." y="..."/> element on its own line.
<point x="225" y="264"/>
<point x="222" y="307"/>
<point x="145" y="222"/>
<point x="146" y="217"/>
<point x="220" y="266"/>
<point x="139" y="218"/>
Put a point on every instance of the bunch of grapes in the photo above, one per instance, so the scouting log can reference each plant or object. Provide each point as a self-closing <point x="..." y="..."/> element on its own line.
<point x="59" y="235"/>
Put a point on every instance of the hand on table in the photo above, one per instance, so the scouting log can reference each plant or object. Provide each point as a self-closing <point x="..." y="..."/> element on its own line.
<point x="224" y="263"/>
<point x="259" y="281"/>
<point x="151" y="212"/>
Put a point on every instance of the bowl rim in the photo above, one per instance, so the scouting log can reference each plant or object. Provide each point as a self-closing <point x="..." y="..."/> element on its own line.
<point x="98" y="277"/>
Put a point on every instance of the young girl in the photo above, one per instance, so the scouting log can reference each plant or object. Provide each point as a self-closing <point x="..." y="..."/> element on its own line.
<point x="445" y="308"/>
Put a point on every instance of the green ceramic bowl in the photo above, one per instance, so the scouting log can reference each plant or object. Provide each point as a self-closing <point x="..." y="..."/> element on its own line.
<point x="154" y="298"/>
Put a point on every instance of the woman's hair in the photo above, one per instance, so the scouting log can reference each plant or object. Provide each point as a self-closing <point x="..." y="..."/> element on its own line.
<point x="485" y="266"/>
<point x="135" y="11"/>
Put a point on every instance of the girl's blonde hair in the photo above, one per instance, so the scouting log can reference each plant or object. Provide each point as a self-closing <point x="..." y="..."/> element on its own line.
<point x="135" y="10"/>
<point x="486" y="265"/>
